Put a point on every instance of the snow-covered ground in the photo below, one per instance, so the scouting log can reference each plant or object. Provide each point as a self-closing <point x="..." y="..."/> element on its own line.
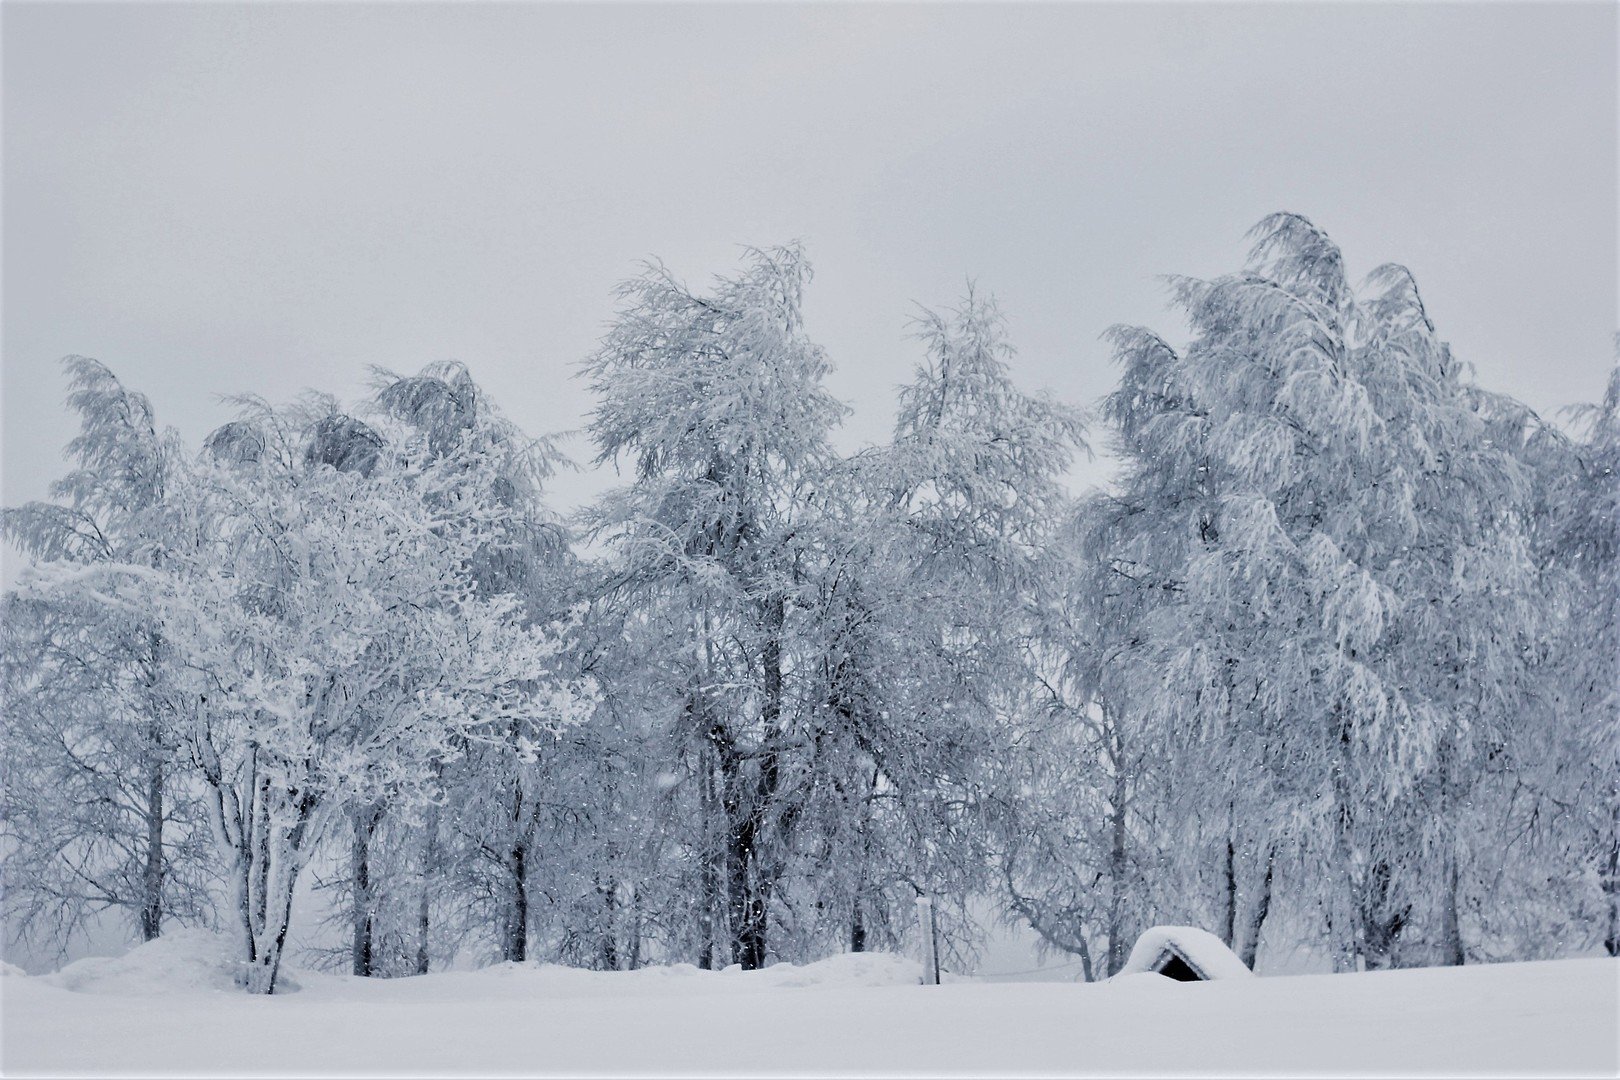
<point x="168" y="1008"/>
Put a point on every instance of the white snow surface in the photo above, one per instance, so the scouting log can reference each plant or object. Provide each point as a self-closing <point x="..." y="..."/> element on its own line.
<point x="1202" y="949"/>
<point x="167" y="1008"/>
<point x="182" y="961"/>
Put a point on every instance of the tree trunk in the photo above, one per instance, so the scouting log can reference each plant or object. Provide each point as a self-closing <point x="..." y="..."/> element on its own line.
<point x="1116" y="872"/>
<point x="266" y="967"/>
<point x="1257" y="914"/>
<point x="1383" y="916"/>
<point x="1453" y="952"/>
<point x="711" y="812"/>
<point x="230" y="816"/>
<point x="515" y="947"/>
<point x="363" y="914"/>
<point x="1229" y="916"/>
<point x="857" y="920"/>
<point x="758" y="870"/>
<point x="259" y="856"/>
<point x="746" y="893"/>
<point x="1342" y="905"/>
<point x="743" y="805"/>
<point x="152" y="872"/>
<point x="608" y="945"/>
<point x="241" y="906"/>
<point x="283" y="857"/>
<point x="1611" y="878"/>
<point x="515" y="934"/>
<point x="633" y="953"/>
<point x="230" y="839"/>
<point x="1086" y="974"/>
<point x="430" y="851"/>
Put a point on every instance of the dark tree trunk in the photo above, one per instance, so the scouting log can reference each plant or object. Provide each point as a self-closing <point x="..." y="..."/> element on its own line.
<point x="283" y="912"/>
<point x="1117" y="868"/>
<point x="515" y="934"/>
<point x="759" y="870"/>
<point x="363" y="914"/>
<point x="633" y="953"/>
<point x="430" y="851"/>
<point x="747" y="901"/>
<point x="422" y="927"/>
<point x="152" y="872"/>
<point x="1086" y="973"/>
<point x="706" y="917"/>
<point x="515" y="947"/>
<point x="747" y="888"/>
<point x="608" y="945"/>
<point x="261" y="853"/>
<point x="857" y="929"/>
<point x="1453" y="951"/>
<point x="1343" y="914"/>
<point x="1229" y="916"/>
<point x="1611" y="879"/>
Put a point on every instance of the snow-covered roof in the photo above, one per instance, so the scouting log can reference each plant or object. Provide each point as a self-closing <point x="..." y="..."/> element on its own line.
<point x="1200" y="950"/>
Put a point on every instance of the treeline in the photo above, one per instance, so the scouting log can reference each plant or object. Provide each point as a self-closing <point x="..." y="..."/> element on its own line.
<point x="1332" y="664"/>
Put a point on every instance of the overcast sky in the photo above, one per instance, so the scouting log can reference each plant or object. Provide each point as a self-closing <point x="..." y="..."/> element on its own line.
<point x="218" y="199"/>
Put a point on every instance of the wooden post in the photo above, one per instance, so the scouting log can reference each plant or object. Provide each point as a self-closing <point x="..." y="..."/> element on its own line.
<point x="930" y="941"/>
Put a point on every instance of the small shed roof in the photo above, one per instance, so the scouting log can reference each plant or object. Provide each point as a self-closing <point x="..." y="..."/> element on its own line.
<point x="1201" y="951"/>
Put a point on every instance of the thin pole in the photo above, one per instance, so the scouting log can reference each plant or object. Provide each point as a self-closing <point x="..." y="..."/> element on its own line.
<point x="930" y="940"/>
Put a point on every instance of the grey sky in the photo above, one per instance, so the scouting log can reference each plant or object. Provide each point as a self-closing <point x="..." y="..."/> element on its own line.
<point x="216" y="199"/>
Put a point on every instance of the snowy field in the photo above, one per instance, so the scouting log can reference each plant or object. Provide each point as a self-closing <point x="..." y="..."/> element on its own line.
<point x="169" y="1009"/>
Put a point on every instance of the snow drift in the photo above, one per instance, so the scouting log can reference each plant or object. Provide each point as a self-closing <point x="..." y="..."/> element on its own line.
<point x="182" y="961"/>
<point x="161" y="1009"/>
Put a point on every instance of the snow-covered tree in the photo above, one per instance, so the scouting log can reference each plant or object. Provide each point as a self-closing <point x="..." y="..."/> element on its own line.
<point x="924" y="631"/>
<point x="1594" y="548"/>
<point x="496" y="787"/>
<point x="717" y="402"/>
<point x="1564" y="784"/>
<point x="1338" y="560"/>
<point x="335" y="643"/>
<point x="92" y="798"/>
<point x="1081" y="848"/>
<point x="1331" y="665"/>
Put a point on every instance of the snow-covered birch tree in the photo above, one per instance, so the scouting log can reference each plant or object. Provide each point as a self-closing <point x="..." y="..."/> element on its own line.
<point x="927" y="633"/>
<point x="340" y="645"/>
<point x="496" y="787"/>
<point x="716" y="400"/>
<point x="93" y="803"/>
<point x="1330" y="515"/>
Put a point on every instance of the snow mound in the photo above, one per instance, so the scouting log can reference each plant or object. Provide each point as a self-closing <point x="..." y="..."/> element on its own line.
<point x="10" y="969"/>
<point x="183" y="960"/>
<point x="1199" y="949"/>
<point x="1147" y="980"/>
<point x="534" y="981"/>
<point x="846" y="969"/>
